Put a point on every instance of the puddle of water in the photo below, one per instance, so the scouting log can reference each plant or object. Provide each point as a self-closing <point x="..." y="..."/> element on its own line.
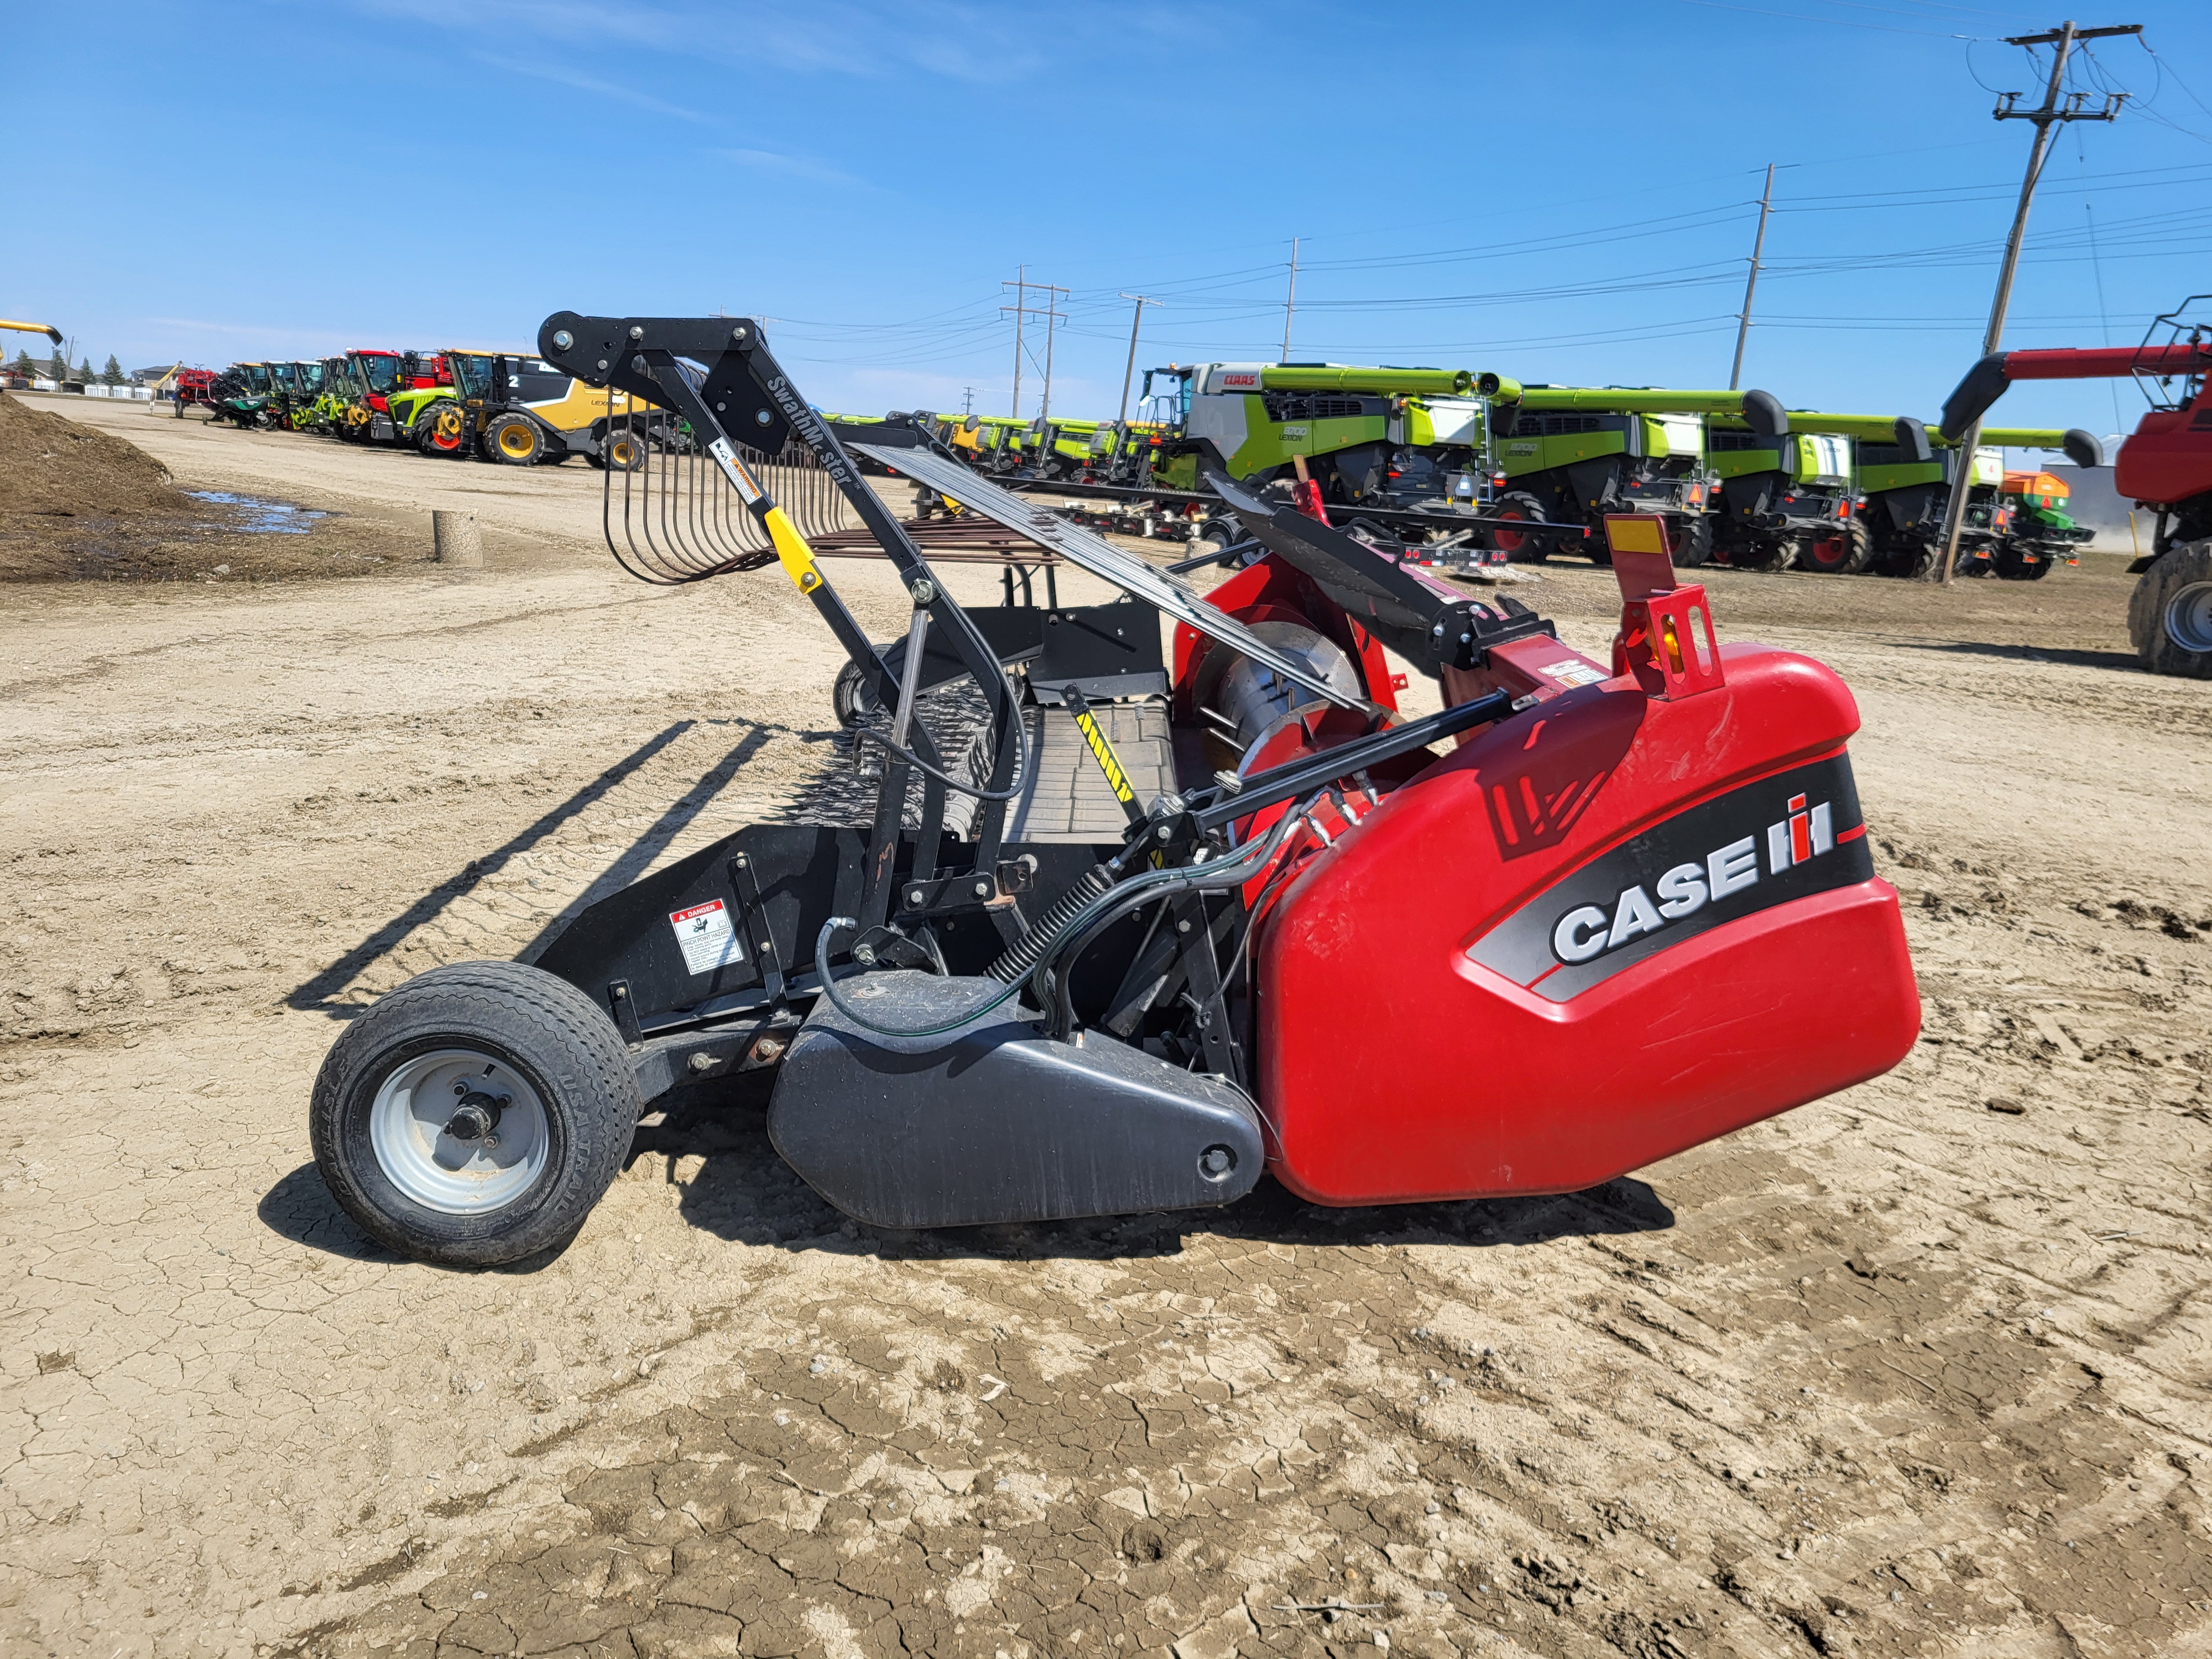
<point x="260" y="518"/>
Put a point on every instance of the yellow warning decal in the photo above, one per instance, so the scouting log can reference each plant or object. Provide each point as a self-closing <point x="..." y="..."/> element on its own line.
<point x="1639" y="534"/>
<point x="1109" y="763"/>
<point x="791" y="550"/>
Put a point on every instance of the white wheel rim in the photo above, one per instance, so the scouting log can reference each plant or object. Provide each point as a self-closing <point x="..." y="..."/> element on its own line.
<point x="2188" y="619"/>
<point x="407" y="1132"/>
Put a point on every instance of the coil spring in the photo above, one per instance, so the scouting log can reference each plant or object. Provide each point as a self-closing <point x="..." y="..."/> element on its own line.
<point x="1015" y="962"/>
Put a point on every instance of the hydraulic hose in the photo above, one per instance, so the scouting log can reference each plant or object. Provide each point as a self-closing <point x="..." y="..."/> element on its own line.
<point x="1089" y="904"/>
<point x="1012" y="792"/>
<point x="837" y="924"/>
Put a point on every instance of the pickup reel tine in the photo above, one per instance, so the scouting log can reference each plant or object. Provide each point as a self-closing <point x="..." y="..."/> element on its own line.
<point x="673" y="516"/>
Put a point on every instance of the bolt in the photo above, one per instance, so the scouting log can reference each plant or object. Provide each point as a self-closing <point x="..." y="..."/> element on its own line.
<point x="1163" y="832"/>
<point x="915" y="896"/>
<point x="864" y="954"/>
<point x="738" y="335"/>
<point x="637" y="330"/>
<point x="563" y="339"/>
<point x="638" y="363"/>
<point x="762" y="417"/>
<point x="603" y="365"/>
<point x="701" y="1062"/>
<point x="1182" y="928"/>
<point x="925" y="592"/>
<point x="983" y="889"/>
<point x="767" y="1049"/>
<point x="620" y="991"/>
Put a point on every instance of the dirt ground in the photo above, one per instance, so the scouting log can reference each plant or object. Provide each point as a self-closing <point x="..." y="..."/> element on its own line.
<point x="1919" y="1369"/>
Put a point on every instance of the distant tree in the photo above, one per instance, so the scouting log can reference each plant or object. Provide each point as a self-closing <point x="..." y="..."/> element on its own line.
<point x="112" y="375"/>
<point x="84" y="372"/>
<point x="57" y="368"/>
<point x="24" y="366"/>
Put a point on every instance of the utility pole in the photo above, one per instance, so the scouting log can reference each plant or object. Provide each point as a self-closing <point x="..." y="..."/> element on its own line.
<point x="967" y="400"/>
<point x="1130" y="370"/>
<point x="1022" y="310"/>
<point x="1052" y="320"/>
<point x="1021" y="304"/>
<point x="2047" y="117"/>
<point x="1751" y="283"/>
<point x="1290" y="300"/>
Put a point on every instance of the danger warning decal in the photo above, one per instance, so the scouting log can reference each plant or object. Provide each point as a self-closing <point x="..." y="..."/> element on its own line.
<point x="1784" y="837"/>
<point x="709" y="939"/>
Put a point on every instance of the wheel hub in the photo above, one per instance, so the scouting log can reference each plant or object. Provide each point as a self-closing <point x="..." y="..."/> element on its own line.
<point x="2188" y="619"/>
<point x="459" y="1131"/>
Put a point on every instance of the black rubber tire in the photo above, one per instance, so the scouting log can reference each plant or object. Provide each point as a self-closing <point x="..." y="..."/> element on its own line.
<point x="1760" y="553"/>
<point x="441" y="431"/>
<point x="1519" y="546"/>
<point x="1694" y="546"/>
<point x="1844" y="550"/>
<point x="550" y="1033"/>
<point x="1908" y="559"/>
<point x="2174" y="596"/>
<point x="624" y="451"/>
<point x="2014" y="565"/>
<point x="513" y="440"/>
<point x="849" y="696"/>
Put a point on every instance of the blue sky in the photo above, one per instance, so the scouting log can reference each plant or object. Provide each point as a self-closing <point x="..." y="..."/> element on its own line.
<point x="1562" y="191"/>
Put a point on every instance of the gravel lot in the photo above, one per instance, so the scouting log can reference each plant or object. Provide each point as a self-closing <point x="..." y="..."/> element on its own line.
<point x="1921" y="1368"/>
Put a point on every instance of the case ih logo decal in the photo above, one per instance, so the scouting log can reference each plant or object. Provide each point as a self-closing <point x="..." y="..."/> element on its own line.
<point x="1779" y="839"/>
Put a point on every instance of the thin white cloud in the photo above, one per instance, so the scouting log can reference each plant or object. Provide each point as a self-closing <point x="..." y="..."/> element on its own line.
<point x="593" y="84"/>
<point x="775" y="164"/>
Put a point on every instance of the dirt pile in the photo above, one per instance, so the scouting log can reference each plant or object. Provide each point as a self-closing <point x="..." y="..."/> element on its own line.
<point x="78" y="504"/>
<point x="56" y="469"/>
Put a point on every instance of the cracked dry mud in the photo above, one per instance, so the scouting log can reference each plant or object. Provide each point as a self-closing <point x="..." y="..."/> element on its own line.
<point x="1921" y="1368"/>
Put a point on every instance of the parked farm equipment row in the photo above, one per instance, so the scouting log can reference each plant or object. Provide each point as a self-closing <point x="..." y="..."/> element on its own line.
<point x="508" y="407"/>
<point x="1454" y="466"/>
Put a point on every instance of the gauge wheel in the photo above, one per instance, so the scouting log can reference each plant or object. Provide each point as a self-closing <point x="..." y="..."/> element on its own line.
<point x="514" y="441"/>
<point x="622" y="450"/>
<point x="2170" y="613"/>
<point x="2016" y="564"/>
<point x="851" y="696"/>
<point x="1841" y="549"/>
<point x="475" y="1115"/>
<point x="1519" y="546"/>
<point x="443" y="431"/>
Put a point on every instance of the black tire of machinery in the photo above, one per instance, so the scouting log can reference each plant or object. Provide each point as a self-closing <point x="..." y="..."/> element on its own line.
<point x="1861" y="555"/>
<point x="493" y="451"/>
<point x="550" y="1030"/>
<point x="1697" y="546"/>
<point x="2013" y="565"/>
<point x="1908" y="559"/>
<point x="2179" y="567"/>
<point x="849" y="696"/>
<point x="1534" y="549"/>
<point x="426" y="427"/>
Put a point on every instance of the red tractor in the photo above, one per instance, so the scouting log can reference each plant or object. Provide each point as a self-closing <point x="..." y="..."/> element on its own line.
<point x="2166" y="467"/>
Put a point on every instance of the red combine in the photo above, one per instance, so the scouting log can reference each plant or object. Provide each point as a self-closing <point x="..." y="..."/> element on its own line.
<point x="1132" y="921"/>
<point x="2165" y="467"/>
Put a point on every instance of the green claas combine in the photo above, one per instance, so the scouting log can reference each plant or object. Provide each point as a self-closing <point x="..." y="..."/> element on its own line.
<point x="1573" y="455"/>
<point x="1784" y="498"/>
<point x="1369" y="437"/>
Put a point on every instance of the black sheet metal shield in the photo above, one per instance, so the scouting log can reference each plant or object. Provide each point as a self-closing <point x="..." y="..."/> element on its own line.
<point x="991" y="1122"/>
<point x="1092" y="552"/>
